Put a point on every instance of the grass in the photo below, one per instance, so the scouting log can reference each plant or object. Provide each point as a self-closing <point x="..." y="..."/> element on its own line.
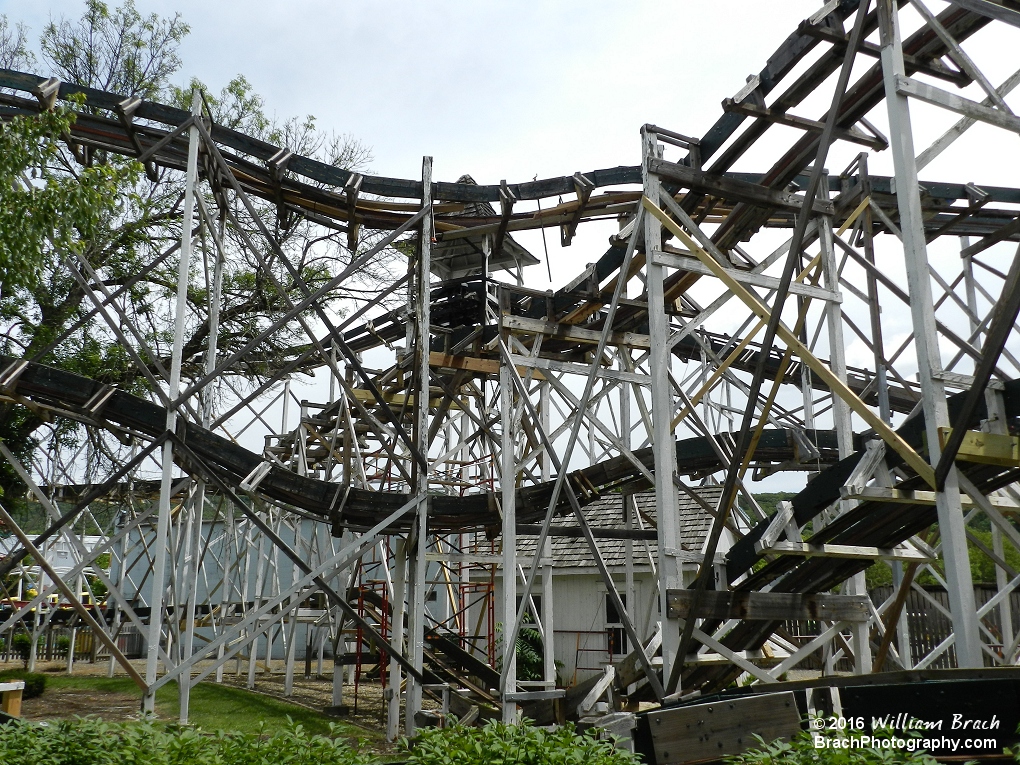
<point x="220" y="707"/>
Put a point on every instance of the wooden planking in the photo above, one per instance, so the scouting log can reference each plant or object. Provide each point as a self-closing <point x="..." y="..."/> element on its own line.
<point x="853" y="552"/>
<point x="704" y="732"/>
<point x="577" y="334"/>
<point x="769" y="606"/>
<point x="732" y="188"/>
<point x="471" y="364"/>
<point x="919" y="497"/>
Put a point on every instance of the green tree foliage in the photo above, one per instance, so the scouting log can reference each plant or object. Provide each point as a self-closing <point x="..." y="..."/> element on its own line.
<point x="44" y="212"/>
<point x="96" y="213"/>
<point x="14" y="46"/>
<point x="982" y="566"/>
<point x="119" y="51"/>
<point x="528" y="648"/>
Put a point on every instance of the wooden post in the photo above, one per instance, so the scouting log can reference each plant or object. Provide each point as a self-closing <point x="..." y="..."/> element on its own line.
<point x="929" y="362"/>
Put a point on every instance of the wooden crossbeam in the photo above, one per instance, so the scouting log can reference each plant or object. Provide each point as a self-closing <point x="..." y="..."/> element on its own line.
<point x="954" y="103"/>
<point x="733" y="189"/>
<point x="768" y="606"/>
<point x="583" y="187"/>
<point x="903" y="497"/>
<point x="862" y="552"/>
<point x="985" y="448"/>
<point x="803" y="123"/>
<point x="837" y="386"/>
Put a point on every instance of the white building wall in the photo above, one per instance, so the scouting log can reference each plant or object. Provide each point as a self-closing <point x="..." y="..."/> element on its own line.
<point x="581" y="639"/>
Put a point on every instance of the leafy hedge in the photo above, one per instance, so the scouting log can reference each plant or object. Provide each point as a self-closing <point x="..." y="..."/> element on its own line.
<point x="79" y="741"/>
<point x="498" y="744"/>
<point x="802" y="751"/>
<point x="35" y="683"/>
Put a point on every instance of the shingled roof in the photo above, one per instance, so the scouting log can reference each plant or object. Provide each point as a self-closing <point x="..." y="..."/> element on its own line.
<point x="461" y="257"/>
<point x="607" y="513"/>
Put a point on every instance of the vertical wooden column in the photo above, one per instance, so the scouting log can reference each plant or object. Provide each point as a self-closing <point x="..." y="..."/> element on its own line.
<point x="856" y="585"/>
<point x="396" y="640"/>
<point x="507" y="481"/>
<point x="163" y="522"/>
<point x="420" y="472"/>
<point x="929" y="361"/>
<point x="548" y="563"/>
<point x="663" y="446"/>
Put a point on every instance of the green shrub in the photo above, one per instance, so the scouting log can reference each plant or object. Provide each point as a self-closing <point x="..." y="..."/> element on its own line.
<point x="523" y="744"/>
<point x="802" y="751"/>
<point x="35" y="683"/>
<point x="73" y="742"/>
<point x="63" y="644"/>
<point x="22" y="645"/>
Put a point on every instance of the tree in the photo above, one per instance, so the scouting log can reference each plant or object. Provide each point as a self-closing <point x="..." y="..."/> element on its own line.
<point x="14" y="50"/>
<point x="43" y="307"/>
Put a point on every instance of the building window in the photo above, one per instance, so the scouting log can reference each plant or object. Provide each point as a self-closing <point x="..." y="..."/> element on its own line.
<point x="616" y="635"/>
<point x="530" y="617"/>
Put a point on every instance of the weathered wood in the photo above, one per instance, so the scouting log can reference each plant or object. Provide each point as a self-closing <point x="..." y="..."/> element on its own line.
<point x="803" y="123"/>
<point x="769" y="606"/>
<point x="1008" y="231"/>
<point x="919" y="497"/>
<point x="555" y="693"/>
<point x="629" y="670"/>
<point x="695" y="266"/>
<point x="732" y="188"/>
<point x="838" y="387"/>
<point x="470" y="364"/>
<point x="783" y="516"/>
<point x="991" y="10"/>
<point x="863" y="552"/>
<point x="577" y="334"/>
<point x="604" y="683"/>
<point x="954" y="103"/>
<point x="577" y="369"/>
<point x="705" y="732"/>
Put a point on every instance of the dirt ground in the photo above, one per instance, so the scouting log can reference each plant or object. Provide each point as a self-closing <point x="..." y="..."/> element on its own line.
<point x="367" y="707"/>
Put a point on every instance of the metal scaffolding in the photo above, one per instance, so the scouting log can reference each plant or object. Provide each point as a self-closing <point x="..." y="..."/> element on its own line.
<point x="399" y="520"/>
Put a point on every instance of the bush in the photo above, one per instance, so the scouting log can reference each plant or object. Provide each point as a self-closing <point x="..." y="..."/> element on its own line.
<point x="71" y="742"/>
<point x="523" y="744"/>
<point x="802" y="751"/>
<point x="22" y="645"/>
<point x="35" y="684"/>
<point x="63" y="644"/>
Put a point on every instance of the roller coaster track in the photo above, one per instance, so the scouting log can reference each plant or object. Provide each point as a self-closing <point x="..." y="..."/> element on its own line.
<point x="65" y="394"/>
